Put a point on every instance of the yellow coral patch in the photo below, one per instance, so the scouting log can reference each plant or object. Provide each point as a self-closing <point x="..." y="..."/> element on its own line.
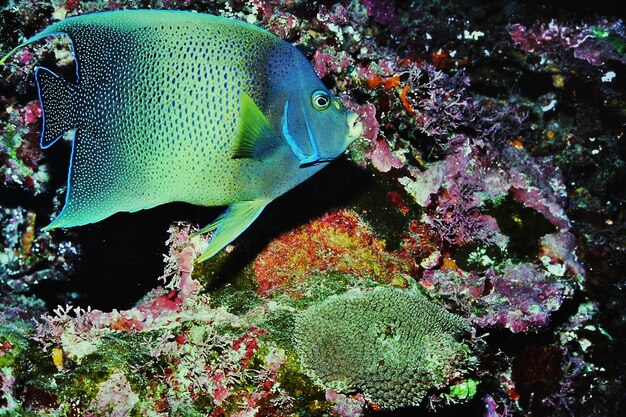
<point x="57" y="357"/>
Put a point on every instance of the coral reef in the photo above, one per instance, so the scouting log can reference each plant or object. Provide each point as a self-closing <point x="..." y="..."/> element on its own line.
<point x="27" y="254"/>
<point x="391" y="344"/>
<point x="19" y="149"/>
<point x="489" y="179"/>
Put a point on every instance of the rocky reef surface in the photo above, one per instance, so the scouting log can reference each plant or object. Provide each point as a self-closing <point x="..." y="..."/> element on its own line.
<point x="465" y="257"/>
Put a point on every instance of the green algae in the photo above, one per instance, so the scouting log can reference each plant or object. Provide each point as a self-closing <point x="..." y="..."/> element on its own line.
<point x="307" y="397"/>
<point x="279" y="324"/>
<point x="10" y="139"/>
<point x="462" y="391"/>
<point x="79" y="382"/>
<point x="13" y="346"/>
<point x="615" y="40"/>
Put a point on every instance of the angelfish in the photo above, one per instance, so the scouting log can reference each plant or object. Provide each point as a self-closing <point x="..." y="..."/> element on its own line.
<point x="179" y="106"/>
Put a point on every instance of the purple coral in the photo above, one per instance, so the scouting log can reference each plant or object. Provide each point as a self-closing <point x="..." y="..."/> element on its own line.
<point x="438" y="102"/>
<point x="583" y="40"/>
<point x="522" y="298"/>
<point x="519" y="297"/>
<point x="382" y="11"/>
<point x="453" y="191"/>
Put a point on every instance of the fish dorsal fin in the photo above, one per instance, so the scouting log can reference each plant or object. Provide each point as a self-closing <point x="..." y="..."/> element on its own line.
<point x="255" y="138"/>
<point x="93" y="38"/>
<point x="230" y="224"/>
<point x="98" y="38"/>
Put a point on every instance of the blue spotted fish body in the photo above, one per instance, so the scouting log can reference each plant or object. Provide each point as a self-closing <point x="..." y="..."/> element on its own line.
<point x="178" y="106"/>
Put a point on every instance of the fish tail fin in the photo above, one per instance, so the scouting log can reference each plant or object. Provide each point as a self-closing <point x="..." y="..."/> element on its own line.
<point x="58" y="99"/>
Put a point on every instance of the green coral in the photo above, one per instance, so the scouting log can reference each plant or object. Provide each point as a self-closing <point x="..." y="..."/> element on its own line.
<point x="389" y="343"/>
<point x="462" y="391"/>
<point x="614" y="39"/>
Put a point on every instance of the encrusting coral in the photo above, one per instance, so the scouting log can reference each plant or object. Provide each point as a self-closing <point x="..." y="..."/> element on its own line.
<point x="391" y="344"/>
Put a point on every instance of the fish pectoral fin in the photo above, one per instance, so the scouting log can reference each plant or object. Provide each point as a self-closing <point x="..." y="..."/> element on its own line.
<point x="230" y="224"/>
<point x="255" y="137"/>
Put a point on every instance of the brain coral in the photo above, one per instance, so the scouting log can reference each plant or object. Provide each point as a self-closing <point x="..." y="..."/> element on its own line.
<point x="389" y="343"/>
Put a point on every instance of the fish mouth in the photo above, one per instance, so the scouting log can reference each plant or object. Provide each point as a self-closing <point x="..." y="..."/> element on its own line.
<point x="355" y="127"/>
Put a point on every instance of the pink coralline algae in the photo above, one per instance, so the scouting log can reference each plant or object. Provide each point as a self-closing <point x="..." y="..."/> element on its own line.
<point x="324" y="62"/>
<point x="587" y="42"/>
<point x="31" y="113"/>
<point x="284" y="25"/>
<point x="367" y="112"/>
<point x="346" y="406"/>
<point x="19" y="148"/>
<point x="205" y="357"/>
<point x="25" y="56"/>
<point x="518" y="297"/>
<point x="115" y="396"/>
<point x="378" y="151"/>
<point x="382" y="158"/>
<point x="159" y="308"/>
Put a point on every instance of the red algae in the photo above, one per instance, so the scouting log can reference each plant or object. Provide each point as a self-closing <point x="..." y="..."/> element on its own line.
<point x="339" y="241"/>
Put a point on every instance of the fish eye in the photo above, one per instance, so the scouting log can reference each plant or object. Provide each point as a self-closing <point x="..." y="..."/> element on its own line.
<point x="320" y="100"/>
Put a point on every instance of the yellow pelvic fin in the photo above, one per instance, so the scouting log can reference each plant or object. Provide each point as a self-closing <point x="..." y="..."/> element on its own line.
<point x="230" y="224"/>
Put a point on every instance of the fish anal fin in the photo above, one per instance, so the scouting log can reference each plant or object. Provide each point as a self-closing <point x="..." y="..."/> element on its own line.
<point x="255" y="137"/>
<point x="230" y="224"/>
<point x="58" y="99"/>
